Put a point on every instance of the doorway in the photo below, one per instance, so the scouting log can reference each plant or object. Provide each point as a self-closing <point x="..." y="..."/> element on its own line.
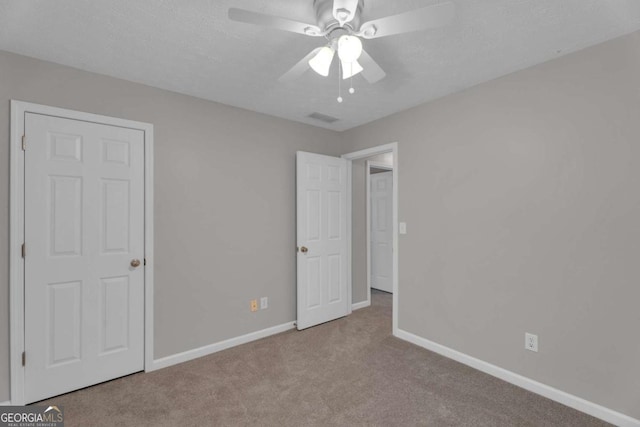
<point x="81" y="254"/>
<point x="379" y="200"/>
<point x="359" y="247"/>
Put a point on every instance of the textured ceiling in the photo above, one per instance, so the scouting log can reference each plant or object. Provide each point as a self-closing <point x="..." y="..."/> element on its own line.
<point x="192" y="48"/>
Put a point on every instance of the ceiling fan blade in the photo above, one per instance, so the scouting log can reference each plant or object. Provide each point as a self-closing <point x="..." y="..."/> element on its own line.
<point x="372" y="71"/>
<point x="300" y="68"/>
<point x="344" y="10"/>
<point x="429" y="17"/>
<point x="276" y="22"/>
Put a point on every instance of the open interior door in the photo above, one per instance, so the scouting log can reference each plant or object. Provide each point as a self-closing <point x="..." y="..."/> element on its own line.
<point x="322" y="239"/>
<point x="381" y="195"/>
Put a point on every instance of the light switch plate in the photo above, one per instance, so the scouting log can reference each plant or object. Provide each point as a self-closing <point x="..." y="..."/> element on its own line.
<point x="403" y="228"/>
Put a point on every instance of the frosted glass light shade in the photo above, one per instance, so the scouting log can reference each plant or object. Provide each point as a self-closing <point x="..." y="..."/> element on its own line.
<point x="349" y="48"/>
<point x="350" y="69"/>
<point x="321" y="63"/>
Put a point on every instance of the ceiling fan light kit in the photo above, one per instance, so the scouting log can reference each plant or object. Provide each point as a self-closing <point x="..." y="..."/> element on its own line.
<point x="349" y="48"/>
<point x="350" y="69"/>
<point x="321" y="63"/>
<point x="340" y="22"/>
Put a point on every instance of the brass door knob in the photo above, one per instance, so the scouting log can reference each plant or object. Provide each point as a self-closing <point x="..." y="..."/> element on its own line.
<point x="304" y="250"/>
<point x="135" y="263"/>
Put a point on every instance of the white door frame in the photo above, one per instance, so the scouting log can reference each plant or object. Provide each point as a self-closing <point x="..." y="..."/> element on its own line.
<point x="16" y="231"/>
<point x="377" y="165"/>
<point x="381" y="149"/>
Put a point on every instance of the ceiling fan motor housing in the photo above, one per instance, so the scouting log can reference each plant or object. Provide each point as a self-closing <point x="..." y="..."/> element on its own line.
<point x="329" y="24"/>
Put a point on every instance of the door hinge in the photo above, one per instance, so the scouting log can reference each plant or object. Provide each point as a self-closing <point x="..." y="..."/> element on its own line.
<point x="24" y="250"/>
<point x="24" y="142"/>
<point x="24" y="358"/>
<point x="144" y="261"/>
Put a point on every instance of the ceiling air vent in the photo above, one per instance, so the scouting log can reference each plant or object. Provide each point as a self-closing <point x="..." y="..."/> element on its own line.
<point x="323" y="117"/>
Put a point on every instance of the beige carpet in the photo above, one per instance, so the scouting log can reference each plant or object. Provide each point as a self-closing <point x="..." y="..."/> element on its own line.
<point x="348" y="372"/>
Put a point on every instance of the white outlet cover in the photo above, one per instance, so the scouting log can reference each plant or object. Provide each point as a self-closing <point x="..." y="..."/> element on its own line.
<point x="264" y="303"/>
<point x="531" y="342"/>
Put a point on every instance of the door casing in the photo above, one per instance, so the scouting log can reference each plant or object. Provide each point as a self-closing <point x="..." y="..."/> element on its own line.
<point x="16" y="231"/>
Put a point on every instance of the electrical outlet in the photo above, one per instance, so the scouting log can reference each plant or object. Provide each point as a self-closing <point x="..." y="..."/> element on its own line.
<point x="531" y="342"/>
<point x="254" y="305"/>
<point x="264" y="303"/>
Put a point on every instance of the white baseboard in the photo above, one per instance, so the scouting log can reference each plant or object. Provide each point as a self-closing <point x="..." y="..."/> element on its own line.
<point x="7" y="403"/>
<point x="575" y="402"/>
<point x="360" y="305"/>
<point x="219" y="346"/>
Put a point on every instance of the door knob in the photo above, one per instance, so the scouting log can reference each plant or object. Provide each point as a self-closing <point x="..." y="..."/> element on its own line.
<point x="135" y="263"/>
<point x="304" y="250"/>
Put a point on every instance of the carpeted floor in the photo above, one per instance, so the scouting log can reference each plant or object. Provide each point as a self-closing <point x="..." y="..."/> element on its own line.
<point x="348" y="372"/>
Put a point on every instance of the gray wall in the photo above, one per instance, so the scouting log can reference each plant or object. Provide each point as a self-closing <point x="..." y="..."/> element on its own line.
<point x="522" y="203"/>
<point x="359" y="224"/>
<point x="225" y="196"/>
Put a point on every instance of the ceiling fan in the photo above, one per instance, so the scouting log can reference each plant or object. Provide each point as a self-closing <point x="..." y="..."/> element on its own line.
<point x="339" y="21"/>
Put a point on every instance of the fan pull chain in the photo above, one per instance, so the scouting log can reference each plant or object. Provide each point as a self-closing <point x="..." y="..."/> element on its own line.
<point x="351" y="89"/>
<point x="339" y="82"/>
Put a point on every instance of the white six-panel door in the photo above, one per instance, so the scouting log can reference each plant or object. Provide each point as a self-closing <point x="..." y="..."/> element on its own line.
<point x="84" y="230"/>
<point x="381" y="195"/>
<point x="322" y="240"/>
